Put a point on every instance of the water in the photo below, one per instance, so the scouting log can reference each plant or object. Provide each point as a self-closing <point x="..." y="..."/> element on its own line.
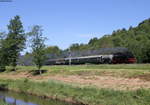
<point x="24" y="99"/>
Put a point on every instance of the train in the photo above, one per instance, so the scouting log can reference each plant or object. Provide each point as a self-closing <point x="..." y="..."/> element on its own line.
<point x="108" y="56"/>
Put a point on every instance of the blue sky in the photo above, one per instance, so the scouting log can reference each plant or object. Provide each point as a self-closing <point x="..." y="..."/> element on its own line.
<point x="75" y="21"/>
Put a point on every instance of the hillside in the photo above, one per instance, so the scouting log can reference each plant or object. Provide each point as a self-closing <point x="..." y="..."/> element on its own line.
<point x="136" y="39"/>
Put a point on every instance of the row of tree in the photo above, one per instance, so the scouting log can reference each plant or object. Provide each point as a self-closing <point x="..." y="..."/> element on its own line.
<point x="13" y="42"/>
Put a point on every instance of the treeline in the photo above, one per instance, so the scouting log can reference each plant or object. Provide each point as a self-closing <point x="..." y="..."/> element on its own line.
<point x="136" y="39"/>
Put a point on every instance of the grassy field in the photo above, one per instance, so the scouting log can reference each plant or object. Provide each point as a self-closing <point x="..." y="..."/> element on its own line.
<point x="88" y="84"/>
<point x="93" y="67"/>
<point x="122" y="70"/>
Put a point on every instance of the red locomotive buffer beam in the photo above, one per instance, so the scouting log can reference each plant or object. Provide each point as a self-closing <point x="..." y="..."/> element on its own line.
<point x="131" y="60"/>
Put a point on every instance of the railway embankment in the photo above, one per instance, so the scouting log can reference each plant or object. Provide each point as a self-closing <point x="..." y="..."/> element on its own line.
<point x="84" y="84"/>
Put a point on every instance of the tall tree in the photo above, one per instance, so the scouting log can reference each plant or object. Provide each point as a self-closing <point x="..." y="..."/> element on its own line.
<point x="38" y="46"/>
<point x="15" y="40"/>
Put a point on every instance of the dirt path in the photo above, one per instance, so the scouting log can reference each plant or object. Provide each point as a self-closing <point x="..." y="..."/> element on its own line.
<point x="116" y="83"/>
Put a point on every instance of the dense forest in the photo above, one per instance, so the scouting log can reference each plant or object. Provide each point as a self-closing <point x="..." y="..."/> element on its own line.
<point x="136" y="39"/>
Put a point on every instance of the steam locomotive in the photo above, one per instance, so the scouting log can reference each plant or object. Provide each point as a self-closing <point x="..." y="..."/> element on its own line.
<point x="104" y="56"/>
